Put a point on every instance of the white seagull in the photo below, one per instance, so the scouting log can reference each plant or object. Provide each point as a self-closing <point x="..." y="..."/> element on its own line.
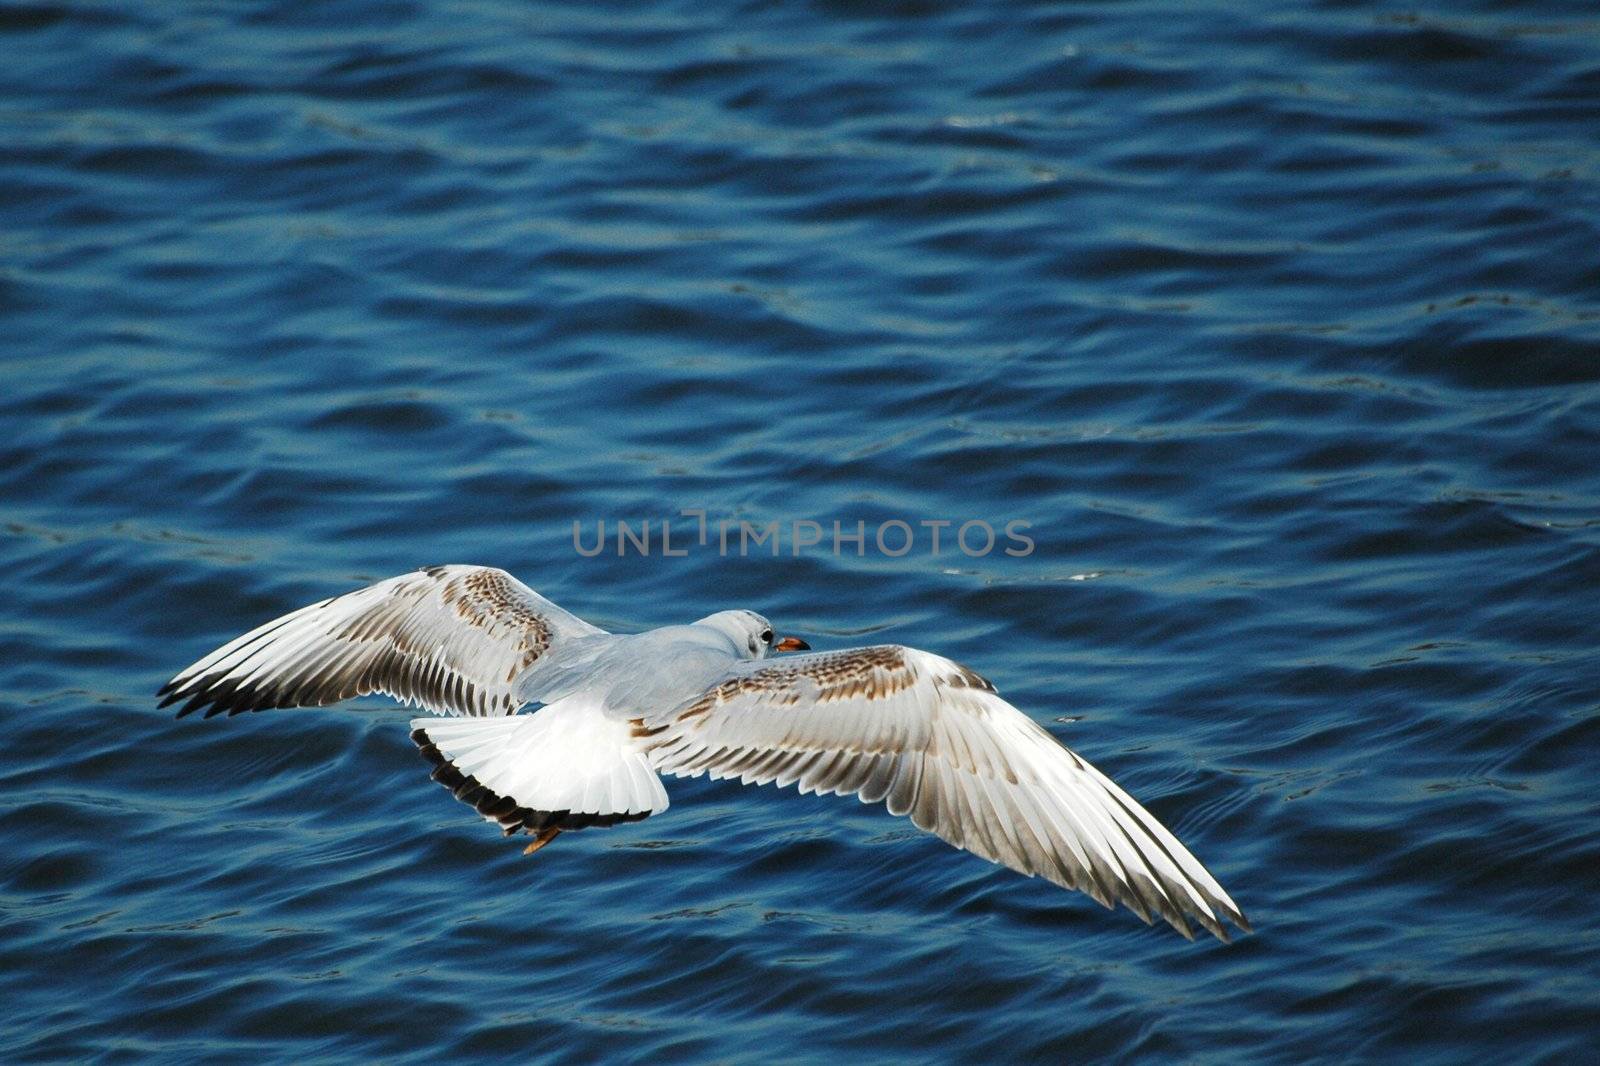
<point x="925" y="736"/>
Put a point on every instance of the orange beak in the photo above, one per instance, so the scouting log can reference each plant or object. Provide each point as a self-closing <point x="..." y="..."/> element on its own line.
<point x="791" y="644"/>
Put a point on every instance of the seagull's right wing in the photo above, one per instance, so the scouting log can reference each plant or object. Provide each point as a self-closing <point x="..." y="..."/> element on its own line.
<point x="933" y="740"/>
<point x="452" y="639"/>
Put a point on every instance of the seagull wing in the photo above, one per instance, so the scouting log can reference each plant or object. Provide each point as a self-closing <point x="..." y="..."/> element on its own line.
<point x="451" y="639"/>
<point x="931" y="739"/>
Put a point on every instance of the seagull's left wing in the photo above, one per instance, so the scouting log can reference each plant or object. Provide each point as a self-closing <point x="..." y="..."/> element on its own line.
<point x="932" y="739"/>
<point x="452" y="639"/>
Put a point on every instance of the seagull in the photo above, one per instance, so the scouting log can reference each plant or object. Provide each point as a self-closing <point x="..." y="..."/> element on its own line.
<point x="925" y="736"/>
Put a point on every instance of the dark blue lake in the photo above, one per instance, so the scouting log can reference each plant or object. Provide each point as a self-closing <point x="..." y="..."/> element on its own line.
<point x="1276" y="329"/>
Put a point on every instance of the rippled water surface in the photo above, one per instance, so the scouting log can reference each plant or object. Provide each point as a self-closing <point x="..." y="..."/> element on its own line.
<point x="1277" y="323"/>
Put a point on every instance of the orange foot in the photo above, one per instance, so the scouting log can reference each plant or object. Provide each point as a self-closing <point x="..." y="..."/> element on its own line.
<point x="545" y="836"/>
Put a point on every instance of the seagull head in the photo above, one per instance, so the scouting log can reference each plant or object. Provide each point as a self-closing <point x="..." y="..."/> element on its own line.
<point x="751" y="634"/>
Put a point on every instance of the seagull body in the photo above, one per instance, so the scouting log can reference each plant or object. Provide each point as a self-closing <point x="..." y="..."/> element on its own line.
<point x="926" y="736"/>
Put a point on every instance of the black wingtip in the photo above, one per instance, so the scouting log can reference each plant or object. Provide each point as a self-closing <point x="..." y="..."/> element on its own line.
<point x="1181" y="926"/>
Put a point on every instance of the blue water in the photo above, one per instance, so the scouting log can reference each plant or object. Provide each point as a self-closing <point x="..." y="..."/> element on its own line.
<point x="1279" y="325"/>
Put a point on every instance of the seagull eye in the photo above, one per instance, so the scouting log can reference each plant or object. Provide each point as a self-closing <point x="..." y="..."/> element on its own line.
<point x="766" y="636"/>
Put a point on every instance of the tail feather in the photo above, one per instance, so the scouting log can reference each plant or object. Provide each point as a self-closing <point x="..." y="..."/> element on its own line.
<point x="560" y="768"/>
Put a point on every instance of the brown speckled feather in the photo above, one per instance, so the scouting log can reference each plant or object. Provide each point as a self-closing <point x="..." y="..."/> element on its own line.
<point x="452" y="639"/>
<point x="932" y="740"/>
